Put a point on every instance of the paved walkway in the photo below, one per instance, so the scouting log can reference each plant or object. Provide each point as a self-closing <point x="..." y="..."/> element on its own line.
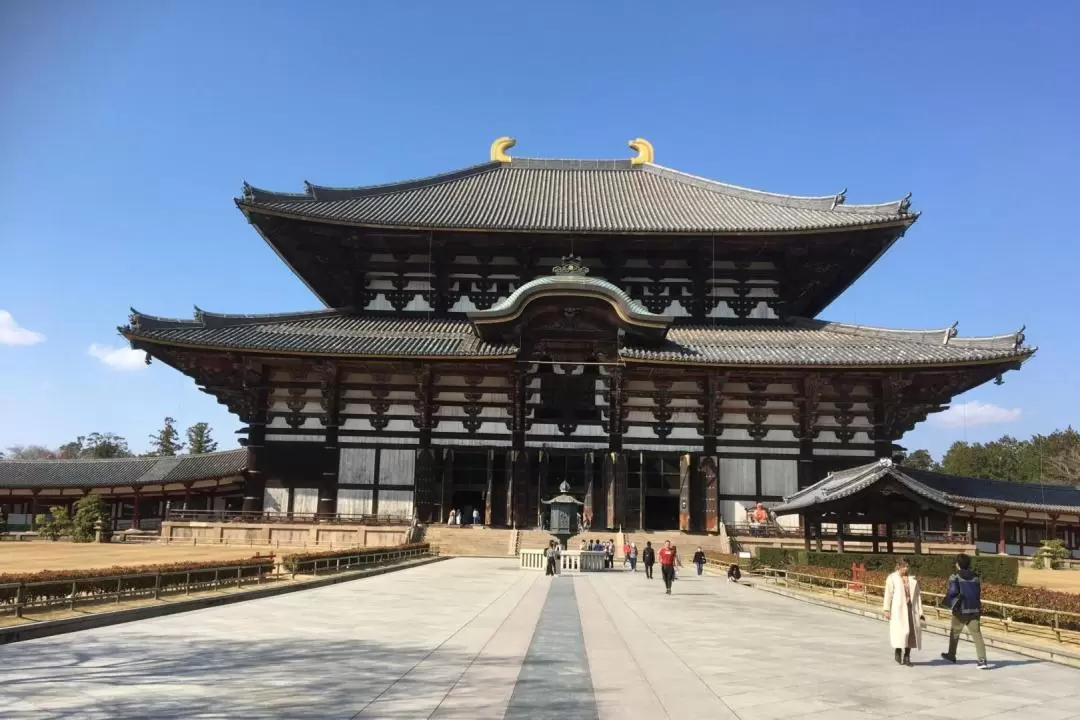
<point x="480" y="639"/>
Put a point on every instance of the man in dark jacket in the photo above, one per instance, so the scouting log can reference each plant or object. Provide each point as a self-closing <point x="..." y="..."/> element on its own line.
<point x="648" y="557"/>
<point x="963" y="597"/>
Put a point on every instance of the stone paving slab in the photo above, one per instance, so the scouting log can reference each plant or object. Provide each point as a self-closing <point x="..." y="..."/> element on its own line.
<point x="475" y="638"/>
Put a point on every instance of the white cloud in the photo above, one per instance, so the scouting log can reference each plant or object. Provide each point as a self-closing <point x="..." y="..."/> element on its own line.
<point x="12" y="334"/>
<point x="975" y="414"/>
<point x="121" y="358"/>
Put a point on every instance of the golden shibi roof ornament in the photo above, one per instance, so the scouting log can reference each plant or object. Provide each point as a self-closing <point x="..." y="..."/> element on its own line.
<point x="499" y="148"/>
<point x="645" y="154"/>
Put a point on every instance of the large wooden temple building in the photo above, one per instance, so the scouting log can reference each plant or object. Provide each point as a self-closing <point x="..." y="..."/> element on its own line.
<point x="649" y="336"/>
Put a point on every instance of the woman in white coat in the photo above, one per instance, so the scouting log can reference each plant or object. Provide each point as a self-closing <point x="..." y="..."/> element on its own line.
<point x="903" y="610"/>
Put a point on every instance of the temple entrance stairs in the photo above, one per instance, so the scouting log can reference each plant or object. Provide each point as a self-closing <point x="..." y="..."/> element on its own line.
<point x="483" y="542"/>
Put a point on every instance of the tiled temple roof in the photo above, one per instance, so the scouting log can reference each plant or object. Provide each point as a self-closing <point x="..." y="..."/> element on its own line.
<point x="796" y="342"/>
<point x="603" y="196"/>
<point x="122" y="472"/>
<point x="938" y="487"/>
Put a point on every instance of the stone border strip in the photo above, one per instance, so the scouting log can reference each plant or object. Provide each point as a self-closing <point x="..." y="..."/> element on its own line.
<point x="47" y="628"/>
<point x="1058" y="656"/>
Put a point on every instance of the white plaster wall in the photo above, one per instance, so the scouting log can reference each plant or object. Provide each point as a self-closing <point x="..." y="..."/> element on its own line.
<point x="396" y="503"/>
<point x="354" y="502"/>
<point x="305" y="501"/>
<point x="356" y="466"/>
<point x="276" y="500"/>
<point x="738" y="476"/>
<point x="779" y="477"/>
<point x="396" y="467"/>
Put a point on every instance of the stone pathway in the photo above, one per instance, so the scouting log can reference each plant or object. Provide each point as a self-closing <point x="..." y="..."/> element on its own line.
<point x="474" y="638"/>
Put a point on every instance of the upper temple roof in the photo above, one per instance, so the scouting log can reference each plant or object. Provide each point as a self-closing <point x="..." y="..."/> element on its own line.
<point x="599" y="196"/>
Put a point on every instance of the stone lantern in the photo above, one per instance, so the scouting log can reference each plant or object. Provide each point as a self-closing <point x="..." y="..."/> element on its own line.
<point x="563" y="512"/>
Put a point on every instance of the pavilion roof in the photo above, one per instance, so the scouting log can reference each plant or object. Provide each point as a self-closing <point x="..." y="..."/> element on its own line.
<point x="795" y="342"/>
<point x="950" y="490"/>
<point x="843" y="484"/>
<point x="124" y="472"/>
<point x="582" y="196"/>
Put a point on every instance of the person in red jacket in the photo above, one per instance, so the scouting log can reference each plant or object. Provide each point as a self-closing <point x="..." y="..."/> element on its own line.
<point x="668" y="557"/>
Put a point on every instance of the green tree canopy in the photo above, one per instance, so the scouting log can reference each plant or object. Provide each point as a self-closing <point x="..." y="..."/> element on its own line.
<point x="166" y="441"/>
<point x="920" y="460"/>
<point x="101" y="446"/>
<point x="199" y="439"/>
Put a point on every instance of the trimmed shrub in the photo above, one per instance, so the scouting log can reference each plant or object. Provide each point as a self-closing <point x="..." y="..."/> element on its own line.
<point x="292" y="562"/>
<point x="1042" y="603"/>
<point x="990" y="568"/>
<point x="55" y="585"/>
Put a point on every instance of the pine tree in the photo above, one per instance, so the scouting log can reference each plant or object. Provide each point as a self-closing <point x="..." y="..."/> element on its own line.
<point x="199" y="439"/>
<point x="166" y="441"/>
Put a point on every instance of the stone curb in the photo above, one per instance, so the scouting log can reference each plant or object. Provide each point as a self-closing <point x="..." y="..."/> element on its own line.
<point x="48" y="628"/>
<point x="1058" y="656"/>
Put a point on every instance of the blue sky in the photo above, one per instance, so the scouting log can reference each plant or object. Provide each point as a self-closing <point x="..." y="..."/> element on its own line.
<point x="128" y="128"/>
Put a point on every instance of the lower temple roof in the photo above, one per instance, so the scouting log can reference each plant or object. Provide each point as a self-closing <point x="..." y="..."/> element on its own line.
<point x="125" y="472"/>
<point x="792" y="342"/>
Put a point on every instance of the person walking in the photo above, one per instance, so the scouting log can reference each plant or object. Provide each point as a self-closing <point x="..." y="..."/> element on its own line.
<point x="648" y="558"/>
<point x="632" y="557"/>
<point x="699" y="560"/>
<point x="550" y="555"/>
<point x="668" y="557"/>
<point x="964" y="597"/>
<point x="903" y="609"/>
<point x="450" y="518"/>
<point x="625" y="553"/>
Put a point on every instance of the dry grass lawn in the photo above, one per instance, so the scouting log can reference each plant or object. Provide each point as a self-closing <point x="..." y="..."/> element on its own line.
<point x="33" y="556"/>
<point x="1065" y="580"/>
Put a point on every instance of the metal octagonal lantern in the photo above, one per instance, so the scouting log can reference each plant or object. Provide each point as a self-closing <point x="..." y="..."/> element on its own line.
<point x="563" y="511"/>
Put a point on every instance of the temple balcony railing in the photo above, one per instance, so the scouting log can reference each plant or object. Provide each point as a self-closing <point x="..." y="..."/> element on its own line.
<point x="572" y="560"/>
<point x="238" y="516"/>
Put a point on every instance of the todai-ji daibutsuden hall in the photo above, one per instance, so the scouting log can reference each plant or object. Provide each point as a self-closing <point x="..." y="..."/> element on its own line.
<point x="649" y="336"/>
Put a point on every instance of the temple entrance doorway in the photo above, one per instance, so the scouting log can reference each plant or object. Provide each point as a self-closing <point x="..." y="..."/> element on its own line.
<point x="662" y="512"/>
<point x="464" y="501"/>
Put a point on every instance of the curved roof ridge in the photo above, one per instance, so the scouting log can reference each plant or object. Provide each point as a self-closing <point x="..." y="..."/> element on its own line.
<point x="329" y="193"/>
<point x="133" y="458"/>
<point x="835" y="202"/>
<point x="142" y="321"/>
<point x="212" y="319"/>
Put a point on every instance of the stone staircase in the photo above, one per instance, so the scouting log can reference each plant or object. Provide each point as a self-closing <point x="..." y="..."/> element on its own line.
<point x="473" y="542"/>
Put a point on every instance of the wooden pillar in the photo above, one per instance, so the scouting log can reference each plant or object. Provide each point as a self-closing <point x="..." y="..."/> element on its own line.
<point x="187" y="494"/>
<point x="948" y="527"/>
<point x="427" y="499"/>
<point x="517" y="466"/>
<point x="511" y="490"/>
<point x="685" y="496"/>
<point x="807" y="531"/>
<point x="589" y="508"/>
<point x="488" y="506"/>
<point x="616" y="401"/>
<point x="610" y="490"/>
<point x="330" y="401"/>
<point x="917" y="520"/>
<point x="641" y="489"/>
<point x="254" y="478"/>
<point x="33" y="509"/>
<point x="1001" y="532"/>
<point x="135" y="510"/>
<point x="542" y="486"/>
<point x="840" y="521"/>
<point x="817" y="533"/>
<point x="888" y="534"/>
<point x="447" y="485"/>
<point x="708" y="469"/>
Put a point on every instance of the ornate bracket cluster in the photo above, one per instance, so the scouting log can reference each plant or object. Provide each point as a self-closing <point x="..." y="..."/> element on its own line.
<point x="380" y="401"/>
<point x="806" y="411"/>
<point x="711" y="408"/>
<point x="427" y="411"/>
<point x="843" y="413"/>
<point x="756" y="410"/>
<point x="327" y="372"/>
<point x="661" y="410"/>
<point x="473" y="408"/>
